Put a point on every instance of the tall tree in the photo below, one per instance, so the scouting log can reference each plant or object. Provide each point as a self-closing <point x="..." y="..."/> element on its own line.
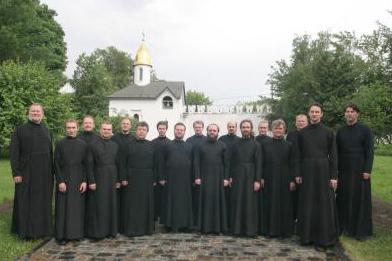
<point x="28" y="31"/>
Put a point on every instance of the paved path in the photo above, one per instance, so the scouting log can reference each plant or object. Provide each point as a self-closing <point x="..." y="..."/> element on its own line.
<point x="182" y="246"/>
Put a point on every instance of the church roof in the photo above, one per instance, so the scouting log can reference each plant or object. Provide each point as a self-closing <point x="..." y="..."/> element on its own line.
<point x="150" y="91"/>
<point x="142" y="56"/>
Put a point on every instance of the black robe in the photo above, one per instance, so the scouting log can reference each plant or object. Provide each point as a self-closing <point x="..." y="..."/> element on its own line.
<point x="229" y="140"/>
<point x="71" y="162"/>
<point x="122" y="140"/>
<point x="101" y="205"/>
<point x="211" y="165"/>
<point x="262" y="138"/>
<point x="31" y="158"/>
<point x="278" y="171"/>
<point x="88" y="137"/>
<point x="196" y="140"/>
<point x="159" y="144"/>
<point x="137" y="208"/>
<point x="292" y="137"/>
<point x="317" y="214"/>
<point x="355" y="156"/>
<point x="245" y="169"/>
<point x="176" y="168"/>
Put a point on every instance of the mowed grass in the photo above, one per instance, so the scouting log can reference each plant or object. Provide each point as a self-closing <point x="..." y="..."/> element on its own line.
<point x="11" y="246"/>
<point x="382" y="178"/>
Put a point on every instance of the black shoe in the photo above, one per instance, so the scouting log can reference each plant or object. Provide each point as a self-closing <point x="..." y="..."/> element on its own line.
<point x="321" y="248"/>
<point x="62" y="242"/>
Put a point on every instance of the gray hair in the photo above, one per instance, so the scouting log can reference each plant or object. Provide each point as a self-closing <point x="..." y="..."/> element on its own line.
<point x="277" y="123"/>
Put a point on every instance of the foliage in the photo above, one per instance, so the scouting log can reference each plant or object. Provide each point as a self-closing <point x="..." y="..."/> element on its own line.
<point x="325" y="69"/>
<point x="375" y="101"/>
<point x="97" y="76"/>
<point x="383" y="149"/>
<point x="28" y="31"/>
<point x="197" y="98"/>
<point x="23" y="84"/>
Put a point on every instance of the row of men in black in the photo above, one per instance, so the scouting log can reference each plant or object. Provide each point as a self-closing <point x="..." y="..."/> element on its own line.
<point x="270" y="166"/>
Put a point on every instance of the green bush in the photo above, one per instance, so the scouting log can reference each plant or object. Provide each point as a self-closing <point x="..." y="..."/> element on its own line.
<point x="383" y="149"/>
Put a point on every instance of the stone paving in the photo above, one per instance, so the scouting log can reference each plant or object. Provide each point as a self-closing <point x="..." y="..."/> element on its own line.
<point x="182" y="246"/>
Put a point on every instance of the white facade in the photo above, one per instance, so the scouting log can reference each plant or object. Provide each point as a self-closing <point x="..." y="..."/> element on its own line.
<point x="142" y="74"/>
<point x="150" y="110"/>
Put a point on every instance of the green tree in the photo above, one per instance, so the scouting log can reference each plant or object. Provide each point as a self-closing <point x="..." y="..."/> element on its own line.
<point x="326" y="69"/>
<point x="197" y="98"/>
<point x="23" y="84"/>
<point x="92" y="83"/>
<point x="28" y="31"/>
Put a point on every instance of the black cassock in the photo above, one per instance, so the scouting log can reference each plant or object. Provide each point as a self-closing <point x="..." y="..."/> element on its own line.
<point x="355" y="156"/>
<point x="71" y="162"/>
<point x="292" y="136"/>
<point x="176" y="168"/>
<point x="101" y="205"/>
<point x="245" y="169"/>
<point x="278" y="171"/>
<point x="122" y="140"/>
<point x="31" y="158"/>
<point x="195" y="140"/>
<point x="159" y="144"/>
<point x="262" y="138"/>
<point x="211" y="165"/>
<point x="88" y="137"/>
<point x="137" y="208"/>
<point x="229" y="140"/>
<point x="317" y="214"/>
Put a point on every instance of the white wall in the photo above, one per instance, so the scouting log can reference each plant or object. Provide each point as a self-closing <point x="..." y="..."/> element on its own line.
<point x="146" y="79"/>
<point x="150" y="111"/>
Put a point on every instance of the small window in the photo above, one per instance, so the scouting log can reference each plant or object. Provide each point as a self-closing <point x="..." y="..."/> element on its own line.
<point x="167" y="102"/>
<point x="136" y="116"/>
<point x="141" y="74"/>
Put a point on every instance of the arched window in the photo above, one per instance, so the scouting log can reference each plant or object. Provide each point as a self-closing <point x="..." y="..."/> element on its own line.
<point x="141" y="74"/>
<point x="136" y="116"/>
<point x="167" y="102"/>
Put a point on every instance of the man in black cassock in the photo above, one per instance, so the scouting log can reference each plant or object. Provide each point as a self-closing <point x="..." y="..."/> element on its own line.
<point x="301" y="121"/>
<point x="88" y="134"/>
<point x="137" y="208"/>
<point x="159" y="143"/>
<point x="263" y="132"/>
<point x="229" y="139"/>
<point x="355" y="162"/>
<point x="32" y="169"/>
<point x="175" y="174"/>
<point x="123" y="138"/>
<point x="211" y="165"/>
<point x="245" y="172"/>
<point x="278" y="180"/>
<point x="317" y="215"/>
<point x="71" y="162"/>
<point x="196" y="140"/>
<point x="101" y="205"/>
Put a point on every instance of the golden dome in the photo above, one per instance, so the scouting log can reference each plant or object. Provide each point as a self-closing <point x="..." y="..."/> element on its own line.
<point x="142" y="57"/>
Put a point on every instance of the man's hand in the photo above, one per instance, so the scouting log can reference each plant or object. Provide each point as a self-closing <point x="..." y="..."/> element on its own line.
<point x="83" y="187"/>
<point x="366" y="175"/>
<point x="262" y="183"/>
<point x="92" y="186"/>
<point x="62" y="187"/>
<point x="230" y="181"/>
<point x="124" y="183"/>
<point x="256" y="186"/>
<point x="292" y="186"/>
<point x="226" y="183"/>
<point x="118" y="185"/>
<point x="18" y="179"/>
<point x="298" y="180"/>
<point x="334" y="183"/>
<point x="197" y="181"/>
<point x="162" y="182"/>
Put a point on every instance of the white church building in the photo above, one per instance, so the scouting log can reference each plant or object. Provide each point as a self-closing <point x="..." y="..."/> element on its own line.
<point x="157" y="100"/>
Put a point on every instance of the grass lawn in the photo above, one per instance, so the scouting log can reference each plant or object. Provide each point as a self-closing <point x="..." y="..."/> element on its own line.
<point x="10" y="245"/>
<point x="382" y="178"/>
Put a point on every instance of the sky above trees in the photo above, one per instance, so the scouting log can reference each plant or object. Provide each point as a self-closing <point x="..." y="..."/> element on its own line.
<point x="223" y="48"/>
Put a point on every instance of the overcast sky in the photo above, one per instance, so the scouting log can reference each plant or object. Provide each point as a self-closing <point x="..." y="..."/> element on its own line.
<point x="224" y="48"/>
